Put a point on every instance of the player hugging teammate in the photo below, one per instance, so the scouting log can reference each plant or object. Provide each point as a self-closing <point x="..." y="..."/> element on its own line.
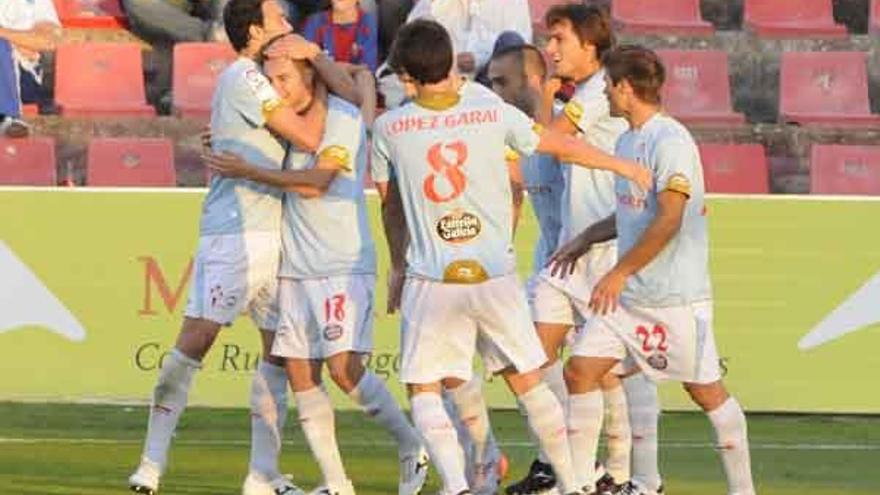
<point x="285" y="234"/>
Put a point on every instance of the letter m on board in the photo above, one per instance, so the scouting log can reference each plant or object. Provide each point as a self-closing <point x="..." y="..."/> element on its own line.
<point x="154" y="279"/>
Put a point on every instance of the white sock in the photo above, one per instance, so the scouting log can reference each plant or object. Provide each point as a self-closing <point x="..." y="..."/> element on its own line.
<point x="731" y="433"/>
<point x="618" y="434"/>
<point x="471" y="406"/>
<point x="584" y="425"/>
<point x="644" y="413"/>
<point x="318" y="423"/>
<point x="547" y="421"/>
<point x="535" y="441"/>
<point x="554" y="377"/>
<point x="375" y="399"/>
<point x="436" y="428"/>
<point x="268" y="415"/>
<point x="169" y="401"/>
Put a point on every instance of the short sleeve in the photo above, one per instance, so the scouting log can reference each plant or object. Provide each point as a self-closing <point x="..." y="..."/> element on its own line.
<point x="380" y="163"/>
<point x="522" y="133"/>
<point x="676" y="165"/>
<point x="342" y="138"/>
<point x="585" y="108"/>
<point x="253" y="96"/>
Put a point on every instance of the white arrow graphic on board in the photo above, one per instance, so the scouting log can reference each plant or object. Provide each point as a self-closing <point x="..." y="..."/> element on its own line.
<point x="25" y="300"/>
<point x="859" y="311"/>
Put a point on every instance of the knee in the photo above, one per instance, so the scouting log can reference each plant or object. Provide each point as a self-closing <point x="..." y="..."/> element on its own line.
<point x="708" y="396"/>
<point x="345" y="375"/>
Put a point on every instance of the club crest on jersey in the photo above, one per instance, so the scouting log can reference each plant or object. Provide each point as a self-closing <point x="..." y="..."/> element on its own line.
<point x="658" y="361"/>
<point x="333" y="332"/>
<point x="459" y="226"/>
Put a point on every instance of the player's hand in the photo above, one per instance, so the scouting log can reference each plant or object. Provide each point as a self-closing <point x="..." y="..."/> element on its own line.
<point x="552" y="86"/>
<point x="226" y="164"/>
<point x="643" y="177"/>
<point x="467" y="62"/>
<point x="295" y="47"/>
<point x="606" y="293"/>
<point x="205" y="138"/>
<point x="396" y="278"/>
<point x="563" y="262"/>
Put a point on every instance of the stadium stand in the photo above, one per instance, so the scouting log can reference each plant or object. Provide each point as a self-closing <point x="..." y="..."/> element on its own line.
<point x="94" y="14"/>
<point x="825" y="88"/>
<point x="735" y="168"/>
<point x="697" y="89"/>
<point x="537" y="10"/>
<point x="841" y="169"/>
<point x="100" y="80"/>
<point x="27" y="161"/>
<point x="669" y="17"/>
<point x="30" y="110"/>
<point x="196" y="67"/>
<point x="792" y="19"/>
<point x="131" y="162"/>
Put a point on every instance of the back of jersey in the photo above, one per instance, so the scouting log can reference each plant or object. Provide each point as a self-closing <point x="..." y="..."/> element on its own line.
<point x="449" y="160"/>
<point x="238" y="126"/>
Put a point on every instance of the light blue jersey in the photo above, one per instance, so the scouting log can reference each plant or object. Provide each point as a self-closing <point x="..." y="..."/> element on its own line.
<point x="234" y="206"/>
<point x="589" y="193"/>
<point x="449" y="162"/>
<point x="680" y="273"/>
<point x="544" y="182"/>
<point x="330" y="235"/>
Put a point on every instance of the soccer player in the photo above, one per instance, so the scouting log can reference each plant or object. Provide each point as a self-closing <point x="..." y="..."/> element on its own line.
<point x="327" y="282"/>
<point x="579" y="35"/>
<point x="655" y="304"/>
<point x="239" y="248"/>
<point x="448" y="157"/>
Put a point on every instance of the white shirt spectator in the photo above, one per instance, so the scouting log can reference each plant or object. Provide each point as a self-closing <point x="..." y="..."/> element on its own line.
<point x="24" y="15"/>
<point x="474" y="25"/>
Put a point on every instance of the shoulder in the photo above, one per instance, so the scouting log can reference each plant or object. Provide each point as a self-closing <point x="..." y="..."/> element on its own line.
<point x="342" y="107"/>
<point x="667" y="132"/>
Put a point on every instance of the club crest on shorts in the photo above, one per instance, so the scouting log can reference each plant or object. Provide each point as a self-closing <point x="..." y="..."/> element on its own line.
<point x="459" y="226"/>
<point x="333" y="332"/>
<point x="658" y="361"/>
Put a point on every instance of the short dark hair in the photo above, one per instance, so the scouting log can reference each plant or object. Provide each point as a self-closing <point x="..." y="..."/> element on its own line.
<point x="640" y="66"/>
<point x="591" y="24"/>
<point x="423" y="51"/>
<point x="238" y="17"/>
<point x="527" y="56"/>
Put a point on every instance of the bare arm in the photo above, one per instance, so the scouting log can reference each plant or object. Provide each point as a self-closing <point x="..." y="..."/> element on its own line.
<point x="666" y="224"/>
<point x="308" y="182"/>
<point x="565" y="258"/>
<point x="43" y="37"/>
<point x="396" y="234"/>
<point x="303" y="130"/>
<point x="517" y="187"/>
<point x="569" y="149"/>
<point x="337" y="78"/>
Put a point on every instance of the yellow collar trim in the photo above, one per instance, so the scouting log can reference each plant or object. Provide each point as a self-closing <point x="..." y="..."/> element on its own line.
<point x="440" y="101"/>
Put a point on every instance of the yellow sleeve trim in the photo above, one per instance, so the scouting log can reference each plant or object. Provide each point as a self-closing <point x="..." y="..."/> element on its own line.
<point x="270" y="106"/>
<point x="538" y="128"/>
<point x="510" y="155"/>
<point x="338" y="155"/>
<point x="679" y="183"/>
<point x="574" y="111"/>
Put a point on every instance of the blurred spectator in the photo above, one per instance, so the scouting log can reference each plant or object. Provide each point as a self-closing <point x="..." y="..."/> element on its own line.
<point x="346" y="33"/>
<point x="27" y="27"/>
<point x="162" y="23"/>
<point x="507" y="39"/>
<point x="474" y="25"/>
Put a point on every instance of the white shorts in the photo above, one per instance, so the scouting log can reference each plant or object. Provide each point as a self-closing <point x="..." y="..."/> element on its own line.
<point x="321" y="317"/>
<point x="672" y="343"/>
<point x="233" y="273"/>
<point x="442" y="324"/>
<point x="565" y="300"/>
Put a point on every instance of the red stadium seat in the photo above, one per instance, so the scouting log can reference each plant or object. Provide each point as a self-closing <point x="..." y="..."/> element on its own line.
<point x="28" y="162"/>
<point x="697" y="89"/>
<point x="839" y="169"/>
<point x="92" y="14"/>
<point x="673" y="17"/>
<point x="875" y="18"/>
<point x="100" y="80"/>
<point x="131" y="162"/>
<point x="30" y="110"/>
<point x="827" y="88"/>
<point x="735" y="168"/>
<point x="792" y="19"/>
<point x="537" y="10"/>
<point x="196" y="67"/>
